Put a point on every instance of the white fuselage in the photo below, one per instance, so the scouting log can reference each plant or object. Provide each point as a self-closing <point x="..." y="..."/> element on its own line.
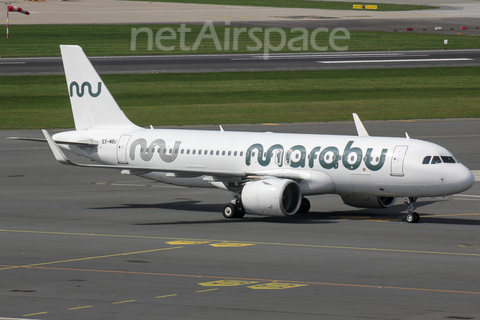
<point x="347" y="165"/>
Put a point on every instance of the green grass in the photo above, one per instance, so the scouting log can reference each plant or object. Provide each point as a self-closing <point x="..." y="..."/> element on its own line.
<point x="336" y="5"/>
<point x="30" y="102"/>
<point x="98" y="40"/>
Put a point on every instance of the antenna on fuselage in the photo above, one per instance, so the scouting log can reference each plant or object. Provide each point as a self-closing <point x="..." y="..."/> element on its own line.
<point x="221" y="128"/>
<point x="362" y="132"/>
<point x="407" y="136"/>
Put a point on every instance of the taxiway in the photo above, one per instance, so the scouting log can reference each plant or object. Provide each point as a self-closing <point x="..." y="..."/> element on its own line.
<point x="83" y="243"/>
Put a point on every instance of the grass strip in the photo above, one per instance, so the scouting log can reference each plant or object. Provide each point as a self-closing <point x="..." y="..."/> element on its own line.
<point x="105" y="40"/>
<point x="33" y="102"/>
<point x="315" y="4"/>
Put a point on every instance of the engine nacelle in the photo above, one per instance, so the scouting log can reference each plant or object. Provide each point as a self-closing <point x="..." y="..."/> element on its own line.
<point x="369" y="201"/>
<point x="272" y="197"/>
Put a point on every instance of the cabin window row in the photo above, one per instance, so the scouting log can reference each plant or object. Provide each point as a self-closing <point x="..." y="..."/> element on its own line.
<point x="195" y="151"/>
<point x="297" y="155"/>
<point x="438" y="159"/>
<point x="315" y="156"/>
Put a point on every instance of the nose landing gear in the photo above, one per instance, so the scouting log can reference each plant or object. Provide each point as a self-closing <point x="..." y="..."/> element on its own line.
<point x="411" y="217"/>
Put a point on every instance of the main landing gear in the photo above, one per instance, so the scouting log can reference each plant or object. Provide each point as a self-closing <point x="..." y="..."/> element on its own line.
<point x="234" y="209"/>
<point x="304" y="206"/>
<point x="411" y="217"/>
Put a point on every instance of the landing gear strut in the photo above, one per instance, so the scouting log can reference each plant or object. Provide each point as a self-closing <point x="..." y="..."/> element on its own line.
<point x="234" y="209"/>
<point x="411" y="217"/>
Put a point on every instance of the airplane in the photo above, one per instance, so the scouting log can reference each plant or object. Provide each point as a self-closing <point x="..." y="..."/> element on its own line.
<point x="269" y="174"/>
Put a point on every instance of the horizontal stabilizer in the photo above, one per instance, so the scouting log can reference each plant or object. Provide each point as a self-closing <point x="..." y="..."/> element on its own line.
<point x="75" y="143"/>
<point x="27" y="139"/>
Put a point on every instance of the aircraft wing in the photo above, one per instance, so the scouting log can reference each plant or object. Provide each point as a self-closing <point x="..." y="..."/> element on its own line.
<point x="277" y="173"/>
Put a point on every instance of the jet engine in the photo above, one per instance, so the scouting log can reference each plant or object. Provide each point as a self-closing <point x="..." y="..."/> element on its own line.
<point x="368" y="201"/>
<point x="272" y="197"/>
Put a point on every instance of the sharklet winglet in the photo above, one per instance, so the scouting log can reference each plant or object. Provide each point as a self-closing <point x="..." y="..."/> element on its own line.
<point x="57" y="152"/>
<point x="362" y="132"/>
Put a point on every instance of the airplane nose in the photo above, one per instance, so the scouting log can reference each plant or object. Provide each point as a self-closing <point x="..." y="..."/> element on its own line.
<point x="464" y="179"/>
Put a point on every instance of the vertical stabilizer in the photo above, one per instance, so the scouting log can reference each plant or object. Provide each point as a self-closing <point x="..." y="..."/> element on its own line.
<point x="93" y="105"/>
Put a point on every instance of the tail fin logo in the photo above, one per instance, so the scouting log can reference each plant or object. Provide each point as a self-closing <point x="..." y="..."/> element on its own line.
<point x="81" y="90"/>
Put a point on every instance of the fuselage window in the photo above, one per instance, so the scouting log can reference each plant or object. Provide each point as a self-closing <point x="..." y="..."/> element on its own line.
<point x="235" y="153"/>
<point x="436" y="159"/>
<point x="205" y="152"/>
<point x="241" y="153"/>
<point x="193" y="152"/>
<point x="229" y="153"/>
<point x="287" y="156"/>
<point x="182" y="151"/>
<point x="448" y="159"/>
<point x="426" y="160"/>
<point x="188" y="151"/>
<point x="211" y="152"/>
<point x="170" y="151"/>
<point x="253" y="154"/>
<point x="165" y="150"/>
<point x="200" y="152"/>
<point x="223" y="152"/>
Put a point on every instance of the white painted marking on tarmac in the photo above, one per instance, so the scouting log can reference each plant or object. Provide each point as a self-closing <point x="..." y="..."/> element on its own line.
<point x="322" y="55"/>
<point x="397" y="60"/>
<point x="466" y="195"/>
<point x="476" y="174"/>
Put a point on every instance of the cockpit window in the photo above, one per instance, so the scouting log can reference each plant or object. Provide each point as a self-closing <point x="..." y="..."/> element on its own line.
<point x="448" y="159"/>
<point x="426" y="160"/>
<point x="436" y="159"/>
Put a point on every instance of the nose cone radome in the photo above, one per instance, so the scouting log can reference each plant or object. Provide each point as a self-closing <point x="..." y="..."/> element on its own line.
<point x="464" y="179"/>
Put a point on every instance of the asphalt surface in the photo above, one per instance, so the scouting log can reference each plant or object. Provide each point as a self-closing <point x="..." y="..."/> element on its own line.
<point x="93" y="244"/>
<point x="251" y="62"/>
<point x="81" y="243"/>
